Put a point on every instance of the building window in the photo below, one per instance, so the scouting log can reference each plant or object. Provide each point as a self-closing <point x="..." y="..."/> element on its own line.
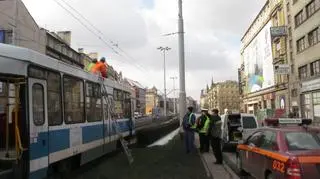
<point x="303" y="72"/>
<point x="290" y="32"/>
<point x="313" y="37"/>
<point x="305" y="105"/>
<point x="315" y="68"/>
<point x="292" y="68"/>
<point x="54" y="99"/>
<point x="93" y="102"/>
<point x="301" y="45"/>
<point x="316" y="104"/>
<point x="290" y="44"/>
<point x="311" y="8"/>
<point x="38" y="104"/>
<point x="288" y="7"/>
<point x="73" y="100"/>
<point x="294" y="1"/>
<point x="299" y="18"/>
<point x="294" y="93"/>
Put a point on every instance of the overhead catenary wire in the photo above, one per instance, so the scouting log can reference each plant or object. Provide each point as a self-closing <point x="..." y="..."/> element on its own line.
<point x="102" y="36"/>
<point x="87" y="27"/>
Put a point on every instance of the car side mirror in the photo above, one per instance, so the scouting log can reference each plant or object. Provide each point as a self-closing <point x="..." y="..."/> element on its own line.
<point x="240" y="129"/>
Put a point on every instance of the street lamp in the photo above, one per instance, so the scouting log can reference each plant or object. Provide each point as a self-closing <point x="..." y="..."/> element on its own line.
<point x="174" y="94"/>
<point x="182" y="95"/>
<point x="164" y="49"/>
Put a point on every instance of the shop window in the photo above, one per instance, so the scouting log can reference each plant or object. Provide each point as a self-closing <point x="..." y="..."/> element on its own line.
<point x="38" y="110"/>
<point x="315" y="68"/>
<point x="93" y="102"/>
<point x="316" y="104"/>
<point x="306" y="105"/>
<point x="73" y="100"/>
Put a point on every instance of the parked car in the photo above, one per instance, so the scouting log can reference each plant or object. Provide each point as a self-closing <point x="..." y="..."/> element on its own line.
<point x="285" y="150"/>
<point x="236" y="127"/>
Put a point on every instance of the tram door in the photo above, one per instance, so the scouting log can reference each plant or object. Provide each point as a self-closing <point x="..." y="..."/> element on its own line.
<point x="38" y="118"/>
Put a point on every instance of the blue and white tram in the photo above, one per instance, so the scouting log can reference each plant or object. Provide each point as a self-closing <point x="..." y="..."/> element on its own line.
<point x="60" y="120"/>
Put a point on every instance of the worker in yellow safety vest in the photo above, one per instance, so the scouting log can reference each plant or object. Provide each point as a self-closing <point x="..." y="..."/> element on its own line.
<point x="91" y="65"/>
<point x="189" y="126"/>
<point x="203" y="126"/>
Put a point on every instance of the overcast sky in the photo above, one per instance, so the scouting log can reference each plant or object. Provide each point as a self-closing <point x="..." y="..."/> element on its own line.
<point x="213" y="29"/>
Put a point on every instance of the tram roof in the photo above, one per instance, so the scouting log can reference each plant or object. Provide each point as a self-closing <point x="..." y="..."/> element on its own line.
<point x="15" y="60"/>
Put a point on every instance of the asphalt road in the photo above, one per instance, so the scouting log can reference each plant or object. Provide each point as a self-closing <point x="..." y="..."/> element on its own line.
<point x="231" y="160"/>
<point x="161" y="162"/>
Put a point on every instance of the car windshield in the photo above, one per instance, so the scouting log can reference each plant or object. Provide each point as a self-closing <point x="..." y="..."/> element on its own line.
<point x="302" y="141"/>
<point x="249" y="122"/>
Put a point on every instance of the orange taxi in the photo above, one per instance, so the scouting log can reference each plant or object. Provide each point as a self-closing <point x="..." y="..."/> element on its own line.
<point x="290" y="149"/>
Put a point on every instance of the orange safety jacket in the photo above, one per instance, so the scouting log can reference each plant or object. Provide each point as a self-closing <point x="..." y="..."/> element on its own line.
<point x="100" y="67"/>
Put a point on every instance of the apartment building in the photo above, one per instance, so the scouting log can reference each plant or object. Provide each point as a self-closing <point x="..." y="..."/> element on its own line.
<point x="18" y="27"/>
<point x="304" y="38"/>
<point x="263" y="74"/>
<point x="221" y="96"/>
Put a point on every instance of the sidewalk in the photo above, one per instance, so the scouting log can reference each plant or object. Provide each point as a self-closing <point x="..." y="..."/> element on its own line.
<point x="215" y="171"/>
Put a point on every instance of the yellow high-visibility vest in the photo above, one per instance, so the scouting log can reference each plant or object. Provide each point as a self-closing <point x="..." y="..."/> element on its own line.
<point x="206" y="126"/>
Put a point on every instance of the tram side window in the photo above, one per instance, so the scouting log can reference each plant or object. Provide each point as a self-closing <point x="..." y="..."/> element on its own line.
<point x="127" y="105"/>
<point x="38" y="104"/>
<point x="73" y="100"/>
<point x="54" y="99"/>
<point x="118" y="103"/>
<point x="93" y="102"/>
<point x="53" y="94"/>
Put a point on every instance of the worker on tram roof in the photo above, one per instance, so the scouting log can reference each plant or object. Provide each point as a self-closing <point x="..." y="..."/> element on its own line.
<point x="100" y="67"/>
<point x="91" y="65"/>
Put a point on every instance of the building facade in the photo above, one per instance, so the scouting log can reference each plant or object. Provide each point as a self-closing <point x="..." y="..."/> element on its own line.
<point x="140" y="95"/>
<point x="26" y="33"/>
<point x="192" y="102"/>
<point x="58" y="47"/>
<point x="264" y="70"/>
<point x="304" y="46"/>
<point x="203" y="99"/>
<point x="224" y="95"/>
<point x="152" y="100"/>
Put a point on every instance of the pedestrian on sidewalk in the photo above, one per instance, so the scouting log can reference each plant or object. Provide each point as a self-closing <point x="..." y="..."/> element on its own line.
<point x="203" y="129"/>
<point x="215" y="135"/>
<point x="189" y="126"/>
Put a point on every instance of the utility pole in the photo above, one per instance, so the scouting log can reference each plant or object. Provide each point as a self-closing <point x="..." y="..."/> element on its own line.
<point x="182" y="93"/>
<point x="164" y="49"/>
<point x="174" y="94"/>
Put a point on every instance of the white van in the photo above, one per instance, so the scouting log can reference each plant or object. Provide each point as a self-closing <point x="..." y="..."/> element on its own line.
<point x="236" y="127"/>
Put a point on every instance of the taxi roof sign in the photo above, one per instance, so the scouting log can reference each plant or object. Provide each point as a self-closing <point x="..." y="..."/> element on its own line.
<point x="287" y="121"/>
<point x="290" y="120"/>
